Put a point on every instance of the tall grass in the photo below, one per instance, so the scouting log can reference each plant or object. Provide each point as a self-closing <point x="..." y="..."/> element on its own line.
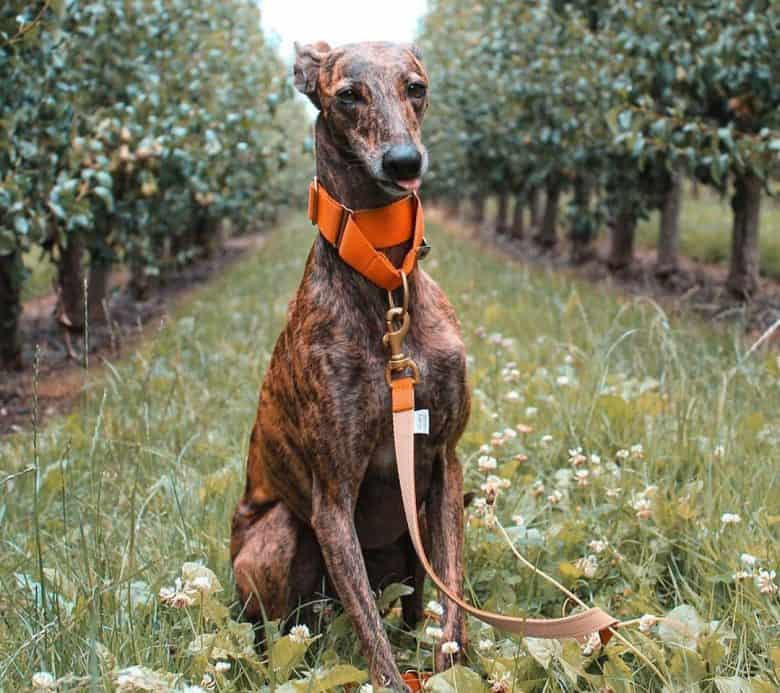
<point x="677" y="425"/>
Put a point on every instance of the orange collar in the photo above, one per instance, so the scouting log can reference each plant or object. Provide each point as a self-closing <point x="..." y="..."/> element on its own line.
<point x="360" y="236"/>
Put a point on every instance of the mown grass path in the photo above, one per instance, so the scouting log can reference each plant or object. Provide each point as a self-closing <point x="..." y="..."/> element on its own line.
<point x="639" y="434"/>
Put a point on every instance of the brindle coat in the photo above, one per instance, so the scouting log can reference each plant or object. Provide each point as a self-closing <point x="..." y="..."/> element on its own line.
<point x="322" y="499"/>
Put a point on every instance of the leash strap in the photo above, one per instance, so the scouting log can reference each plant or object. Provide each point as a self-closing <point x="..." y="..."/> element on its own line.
<point x="360" y="236"/>
<point x="578" y="626"/>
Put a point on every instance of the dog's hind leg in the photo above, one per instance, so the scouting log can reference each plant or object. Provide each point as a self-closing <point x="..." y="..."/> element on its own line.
<point x="276" y="560"/>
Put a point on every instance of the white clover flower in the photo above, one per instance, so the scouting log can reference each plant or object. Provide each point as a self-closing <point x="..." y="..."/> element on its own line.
<point x="366" y="688"/>
<point x="595" y="459"/>
<point x="434" y="633"/>
<point x="647" y="622"/>
<point x="555" y="497"/>
<point x="486" y="463"/>
<point x="730" y="519"/>
<point x="484" y="448"/>
<point x="497" y="440"/>
<point x="485" y="644"/>
<point x="582" y="477"/>
<point x="208" y="681"/>
<point x="300" y="633"/>
<point x="177" y="596"/>
<point x="742" y="575"/>
<point x="588" y="565"/>
<point x="546" y="439"/>
<point x="493" y="485"/>
<point x="222" y="666"/>
<point x="450" y="647"/>
<point x="537" y="489"/>
<point x="201" y="584"/>
<point x="512" y="396"/>
<point x="598" y="545"/>
<point x="531" y="412"/>
<point x="435" y="608"/>
<point x="643" y="508"/>
<point x="562" y="380"/>
<point x="613" y="492"/>
<point x="637" y="452"/>
<point x="509" y="433"/>
<point x="719" y="451"/>
<point x="524" y="428"/>
<point x="501" y="683"/>
<point x="593" y="644"/>
<point x="622" y="454"/>
<point x="765" y="581"/>
<point x="748" y="560"/>
<point x="44" y="681"/>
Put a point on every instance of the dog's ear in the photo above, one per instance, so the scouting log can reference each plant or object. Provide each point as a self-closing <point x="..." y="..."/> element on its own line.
<point x="306" y="71"/>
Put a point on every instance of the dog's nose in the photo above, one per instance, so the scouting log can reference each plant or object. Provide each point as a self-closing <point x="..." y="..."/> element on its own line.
<point x="402" y="162"/>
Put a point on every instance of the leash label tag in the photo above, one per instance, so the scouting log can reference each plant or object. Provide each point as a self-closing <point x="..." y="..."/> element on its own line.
<point x="421" y="421"/>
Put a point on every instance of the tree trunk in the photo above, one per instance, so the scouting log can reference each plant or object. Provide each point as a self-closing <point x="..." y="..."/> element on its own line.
<point x="667" y="262"/>
<point x="477" y="209"/>
<point x="581" y="231"/>
<point x="535" y="207"/>
<point x="97" y="289"/>
<point x="10" y="310"/>
<point x="621" y="252"/>
<point x="206" y="237"/>
<point x="548" y="233"/>
<point x="746" y="205"/>
<point x="518" y="219"/>
<point x="70" y="282"/>
<point x="502" y="213"/>
<point x="452" y="207"/>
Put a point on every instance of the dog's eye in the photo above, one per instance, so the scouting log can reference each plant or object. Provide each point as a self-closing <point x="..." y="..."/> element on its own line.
<point x="347" y="95"/>
<point x="416" y="90"/>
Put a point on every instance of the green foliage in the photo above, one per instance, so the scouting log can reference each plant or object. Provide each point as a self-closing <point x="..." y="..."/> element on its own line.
<point x="620" y="93"/>
<point x="139" y="126"/>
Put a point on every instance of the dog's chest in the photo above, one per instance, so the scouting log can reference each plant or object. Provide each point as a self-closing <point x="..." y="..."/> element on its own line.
<point x="440" y="392"/>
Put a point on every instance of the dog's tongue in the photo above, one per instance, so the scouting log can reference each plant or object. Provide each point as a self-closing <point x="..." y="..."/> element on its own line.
<point x="412" y="185"/>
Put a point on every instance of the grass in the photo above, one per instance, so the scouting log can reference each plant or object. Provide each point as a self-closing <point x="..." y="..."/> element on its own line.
<point x="106" y="506"/>
<point x="41" y="275"/>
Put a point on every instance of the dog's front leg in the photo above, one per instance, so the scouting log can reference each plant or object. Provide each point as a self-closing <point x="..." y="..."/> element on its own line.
<point x="334" y="527"/>
<point x="444" y="514"/>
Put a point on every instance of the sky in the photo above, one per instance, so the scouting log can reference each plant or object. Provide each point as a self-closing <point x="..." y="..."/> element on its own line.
<point x="340" y="21"/>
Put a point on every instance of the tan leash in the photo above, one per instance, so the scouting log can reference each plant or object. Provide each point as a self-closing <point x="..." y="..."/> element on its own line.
<point x="578" y="626"/>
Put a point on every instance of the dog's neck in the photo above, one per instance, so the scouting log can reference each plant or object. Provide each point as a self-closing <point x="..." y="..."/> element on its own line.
<point x="348" y="181"/>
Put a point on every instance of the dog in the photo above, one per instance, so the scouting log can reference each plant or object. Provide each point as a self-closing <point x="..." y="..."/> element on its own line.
<point x="322" y="503"/>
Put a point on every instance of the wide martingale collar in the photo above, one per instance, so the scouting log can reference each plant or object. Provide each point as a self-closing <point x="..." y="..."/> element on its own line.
<point x="360" y="236"/>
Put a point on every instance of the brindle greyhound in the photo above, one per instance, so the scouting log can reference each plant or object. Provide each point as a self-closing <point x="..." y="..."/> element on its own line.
<point x="322" y="498"/>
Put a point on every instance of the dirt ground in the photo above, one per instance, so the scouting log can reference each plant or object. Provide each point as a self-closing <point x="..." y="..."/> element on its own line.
<point x="61" y="371"/>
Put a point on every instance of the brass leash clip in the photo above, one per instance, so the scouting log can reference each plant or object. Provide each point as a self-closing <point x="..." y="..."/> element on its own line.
<point x="394" y="337"/>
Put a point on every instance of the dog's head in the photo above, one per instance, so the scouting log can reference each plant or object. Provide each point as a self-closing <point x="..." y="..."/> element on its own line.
<point x="372" y="97"/>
